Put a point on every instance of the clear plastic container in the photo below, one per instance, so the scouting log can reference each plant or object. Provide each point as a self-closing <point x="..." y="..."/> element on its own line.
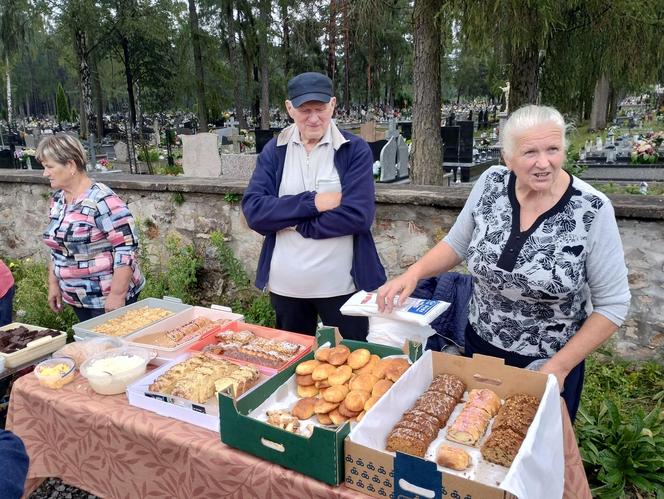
<point x="81" y="351"/>
<point x="55" y="372"/>
<point x="111" y="371"/>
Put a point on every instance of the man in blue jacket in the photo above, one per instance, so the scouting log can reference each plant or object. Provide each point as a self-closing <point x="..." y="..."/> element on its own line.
<point x="312" y="196"/>
<point x="13" y="465"/>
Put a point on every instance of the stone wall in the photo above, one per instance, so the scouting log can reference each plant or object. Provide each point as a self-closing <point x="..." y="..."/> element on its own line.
<point x="409" y="220"/>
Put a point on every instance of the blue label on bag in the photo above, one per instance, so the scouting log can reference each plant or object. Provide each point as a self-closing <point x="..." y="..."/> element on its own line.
<point x="424" y="307"/>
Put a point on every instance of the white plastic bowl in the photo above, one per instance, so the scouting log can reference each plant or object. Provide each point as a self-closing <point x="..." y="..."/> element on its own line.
<point x="111" y="371"/>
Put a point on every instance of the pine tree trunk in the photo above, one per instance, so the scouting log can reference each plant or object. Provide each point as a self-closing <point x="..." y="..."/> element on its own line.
<point x="84" y="78"/>
<point x="332" y="40"/>
<point x="346" y="56"/>
<point x="99" y="100"/>
<point x="198" y="67"/>
<point x="10" y="116"/>
<point x="286" y="35"/>
<point x="265" y="9"/>
<point x="524" y="67"/>
<point x="427" y="167"/>
<point x="130" y="84"/>
<point x="600" y="104"/>
<point x="235" y="63"/>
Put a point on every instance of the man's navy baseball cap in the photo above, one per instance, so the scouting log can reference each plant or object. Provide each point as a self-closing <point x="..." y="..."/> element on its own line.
<point x="306" y="87"/>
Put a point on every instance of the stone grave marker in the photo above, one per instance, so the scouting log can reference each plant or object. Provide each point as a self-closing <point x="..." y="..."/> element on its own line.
<point x="236" y="139"/>
<point x="156" y="139"/>
<point x="402" y="157"/>
<point x="30" y="141"/>
<point x="200" y="155"/>
<point x="388" y="161"/>
<point x="121" y="152"/>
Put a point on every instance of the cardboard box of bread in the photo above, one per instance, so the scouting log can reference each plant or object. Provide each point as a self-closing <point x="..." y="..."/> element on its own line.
<point x="473" y="427"/>
<point x="300" y="417"/>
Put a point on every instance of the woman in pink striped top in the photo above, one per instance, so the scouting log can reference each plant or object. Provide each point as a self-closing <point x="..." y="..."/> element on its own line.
<point x="91" y="236"/>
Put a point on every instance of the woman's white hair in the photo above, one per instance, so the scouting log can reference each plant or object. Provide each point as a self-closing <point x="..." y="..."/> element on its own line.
<point x="523" y="119"/>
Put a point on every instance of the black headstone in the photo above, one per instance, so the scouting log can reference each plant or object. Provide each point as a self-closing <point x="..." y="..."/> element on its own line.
<point x="406" y="129"/>
<point x="376" y="147"/>
<point x="450" y="136"/>
<point x="262" y="138"/>
<point x="466" y="129"/>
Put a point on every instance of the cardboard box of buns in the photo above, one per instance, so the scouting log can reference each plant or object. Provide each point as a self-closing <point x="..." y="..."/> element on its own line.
<point x="471" y="428"/>
<point x="300" y="417"/>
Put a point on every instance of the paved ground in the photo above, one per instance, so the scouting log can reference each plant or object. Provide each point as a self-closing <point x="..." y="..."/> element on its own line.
<point x="54" y="488"/>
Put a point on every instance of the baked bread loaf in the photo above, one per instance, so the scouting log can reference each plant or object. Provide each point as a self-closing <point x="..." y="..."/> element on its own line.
<point x="469" y="425"/>
<point x="452" y="457"/>
<point x="484" y="399"/>
<point x="509" y="429"/>
<point x="408" y="441"/>
<point x="449" y="384"/>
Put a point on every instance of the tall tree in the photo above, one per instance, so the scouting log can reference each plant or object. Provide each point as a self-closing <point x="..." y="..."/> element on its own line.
<point x="234" y="57"/>
<point x="427" y="167"/>
<point x="198" y="65"/>
<point x="264" y="57"/>
<point x="332" y="40"/>
<point x="12" y="32"/>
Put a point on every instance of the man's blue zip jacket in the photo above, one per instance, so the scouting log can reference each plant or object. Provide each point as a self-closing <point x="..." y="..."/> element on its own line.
<point x="267" y="213"/>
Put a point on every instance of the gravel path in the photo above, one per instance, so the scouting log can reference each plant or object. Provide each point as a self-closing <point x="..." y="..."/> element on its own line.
<point x="54" y="488"/>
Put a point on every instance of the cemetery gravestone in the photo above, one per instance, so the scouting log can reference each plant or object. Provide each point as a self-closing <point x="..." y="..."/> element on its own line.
<point x="402" y="157"/>
<point x="30" y="141"/>
<point x="388" y="161"/>
<point x="121" y="152"/>
<point x="450" y="136"/>
<point x="466" y="141"/>
<point x="200" y="155"/>
<point x="368" y="131"/>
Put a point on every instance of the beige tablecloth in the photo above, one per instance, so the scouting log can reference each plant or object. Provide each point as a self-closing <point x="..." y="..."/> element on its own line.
<point x="109" y="448"/>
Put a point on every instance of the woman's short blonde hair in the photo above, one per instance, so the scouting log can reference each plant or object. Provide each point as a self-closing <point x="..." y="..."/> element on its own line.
<point x="525" y="118"/>
<point x="62" y="148"/>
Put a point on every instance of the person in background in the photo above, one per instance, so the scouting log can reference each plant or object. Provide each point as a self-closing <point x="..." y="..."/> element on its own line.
<point x="312" y="196"/>
<point x="7" y="289"/>
<point x="90" y="233"/>
<point x="543" y="249"/>
<point x="14" y="464"/>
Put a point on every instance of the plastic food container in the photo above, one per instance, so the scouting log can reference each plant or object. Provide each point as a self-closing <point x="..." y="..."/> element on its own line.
<point x="111" y="371"/>
<point x="81" y="351"/>
<point x="55" y="372"/>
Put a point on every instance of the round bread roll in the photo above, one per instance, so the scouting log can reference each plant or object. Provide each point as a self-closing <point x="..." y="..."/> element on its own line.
<point x="324" y="419"/>
<point x="369" y="365"/>
<point x="304" y="408"/>
<point x="359" y="358"/>
<point x="381" y="386"/>
<point x="322" y="384"/>
<point x="322" y="371"/>
<point x="336" y="417"/>
<point x="380" y="367"/>
<point x="307" y="391"/>
<point x="304" y="379"/>
<point x="364" y="382"/>
<point x="344" y="411"/>
<point x="370" y="402"/>
<point x="356" y="399"/>
<point x="396" y="369"/>
<point x="338" y="355"/>
<point x="336" y="394"/>
<point x="322" y="354"/>
<point x="340" y="376"/>
<point x="307" y="367"/>
<point x="452" y="457"/>
<point x="324" y="407"/>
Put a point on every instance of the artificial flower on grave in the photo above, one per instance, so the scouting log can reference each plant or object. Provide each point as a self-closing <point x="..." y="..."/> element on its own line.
<point x="105" y="164"/>
<point x="644" y="152"/>
<point x="657" y="138"/>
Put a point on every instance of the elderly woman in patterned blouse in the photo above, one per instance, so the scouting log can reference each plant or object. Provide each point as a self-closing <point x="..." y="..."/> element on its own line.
<point x="90" y="233"/>
<point x="543" y="248"/>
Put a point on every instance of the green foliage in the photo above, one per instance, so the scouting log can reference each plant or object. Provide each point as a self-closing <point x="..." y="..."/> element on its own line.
<point x="62" y="105"/>
<point x="232" y="198"/>
<point x="151" y="155"/>
<point x="178" y="198"/>
<point x="625" y="453"/>
<point x="619" y="426"/>
<point x="31" y="299"/>
<point x="245" y="299"/>
<point x="654" y="188"/>
<point x="176" y="276"/>
<point x="167" y="169"/>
